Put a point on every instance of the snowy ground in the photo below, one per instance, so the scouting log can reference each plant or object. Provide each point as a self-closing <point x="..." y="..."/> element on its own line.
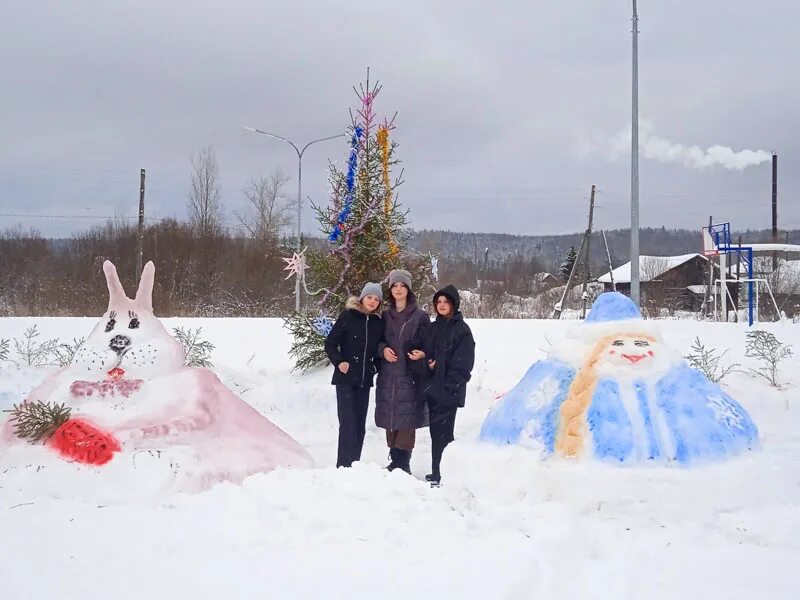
<point x="505" y="524"/>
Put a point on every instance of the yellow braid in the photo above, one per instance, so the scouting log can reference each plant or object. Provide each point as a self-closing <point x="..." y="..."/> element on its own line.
<point x="572" y="415"/>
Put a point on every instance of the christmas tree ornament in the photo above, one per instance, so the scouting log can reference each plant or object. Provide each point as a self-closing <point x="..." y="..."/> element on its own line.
<point x="296" y="264"/>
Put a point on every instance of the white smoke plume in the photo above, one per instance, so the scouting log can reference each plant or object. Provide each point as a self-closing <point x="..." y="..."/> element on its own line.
<point x="657" y="148"/>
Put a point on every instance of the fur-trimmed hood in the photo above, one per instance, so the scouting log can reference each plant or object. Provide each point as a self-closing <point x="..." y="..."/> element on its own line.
<point x="353" y="303"/>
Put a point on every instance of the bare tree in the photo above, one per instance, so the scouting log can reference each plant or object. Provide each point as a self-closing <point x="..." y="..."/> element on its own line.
<point x="652" y="267"/>
<point x="269" y="213"/>
<point x="204" y="205"/>
<point x="655" y="298"/>
<point x="785" y="282"/>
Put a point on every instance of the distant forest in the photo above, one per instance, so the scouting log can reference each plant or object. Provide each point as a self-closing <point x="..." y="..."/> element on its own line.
<point x="217" y="273"/>
<point x="513" y="259"/>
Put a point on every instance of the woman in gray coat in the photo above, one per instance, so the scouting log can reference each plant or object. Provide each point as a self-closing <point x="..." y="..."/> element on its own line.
<point x="400" y="407"/>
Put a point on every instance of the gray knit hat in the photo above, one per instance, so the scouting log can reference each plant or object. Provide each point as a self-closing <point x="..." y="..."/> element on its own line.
<point x="401" y="276"/>
<point x="370" y="289"/>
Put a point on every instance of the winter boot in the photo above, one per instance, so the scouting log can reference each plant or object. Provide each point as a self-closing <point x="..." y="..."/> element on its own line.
<point x="434" y="479"/>
<point x="394" y="455"/>
<point x="404" y="460"/>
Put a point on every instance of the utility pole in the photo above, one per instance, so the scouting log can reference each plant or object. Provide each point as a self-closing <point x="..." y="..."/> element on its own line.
<point x="610" y="266"/>
<point x="774" y="208"/>
<point x="584" y="252"/>
<point x="635" y="161"/>
<point x="140" y="241"/>
<point x="710" y="287"/>
<point x="482" y="282"/>
<point x="588" y="236"/>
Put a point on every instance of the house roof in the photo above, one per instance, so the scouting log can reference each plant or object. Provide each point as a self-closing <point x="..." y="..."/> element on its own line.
<point x="697" y="289"/>
<point x="650" y="267"/>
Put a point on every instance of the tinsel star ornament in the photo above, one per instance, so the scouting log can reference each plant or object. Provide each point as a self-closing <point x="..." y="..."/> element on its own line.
<point x="296" y="265"/>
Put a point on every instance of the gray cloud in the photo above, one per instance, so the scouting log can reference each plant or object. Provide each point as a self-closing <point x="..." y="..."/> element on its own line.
<point x="493" y="101"/>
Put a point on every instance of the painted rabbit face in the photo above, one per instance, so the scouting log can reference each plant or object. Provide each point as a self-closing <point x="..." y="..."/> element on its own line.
<point x="129" y="341"/>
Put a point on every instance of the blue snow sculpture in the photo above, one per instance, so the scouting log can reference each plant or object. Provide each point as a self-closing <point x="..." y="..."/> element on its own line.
<point x="614" y="391"/>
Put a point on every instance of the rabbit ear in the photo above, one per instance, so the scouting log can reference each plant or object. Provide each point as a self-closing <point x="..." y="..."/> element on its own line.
<point x="144" y="295"/>
<point x="115" y="290"/>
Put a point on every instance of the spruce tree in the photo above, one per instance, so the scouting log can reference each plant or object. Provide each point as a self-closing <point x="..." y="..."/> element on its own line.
<point x="365" y="227"/>
<point x="569" y="262"/>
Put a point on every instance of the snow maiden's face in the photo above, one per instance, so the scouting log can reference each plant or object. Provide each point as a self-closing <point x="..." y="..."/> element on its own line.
<point x="633" y="354"/>
<point x="630" y="351"/>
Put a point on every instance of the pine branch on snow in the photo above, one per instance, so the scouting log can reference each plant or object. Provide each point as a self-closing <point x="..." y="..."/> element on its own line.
<point x="38" y="421"/>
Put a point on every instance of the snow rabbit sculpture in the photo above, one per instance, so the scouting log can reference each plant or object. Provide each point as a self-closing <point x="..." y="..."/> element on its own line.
<point x="130" y="393"/>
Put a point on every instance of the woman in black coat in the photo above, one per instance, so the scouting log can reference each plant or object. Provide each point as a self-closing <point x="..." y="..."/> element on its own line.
<point x="352" y="347"/>
<point x="444" y="353"/>
<point x="399" y="407"/>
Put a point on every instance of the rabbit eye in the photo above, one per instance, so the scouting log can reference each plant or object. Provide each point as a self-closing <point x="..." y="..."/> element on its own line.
<point x="111" y="321"/>
<point x="134" y="324"/>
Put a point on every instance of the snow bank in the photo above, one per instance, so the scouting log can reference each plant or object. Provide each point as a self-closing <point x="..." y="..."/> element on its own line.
<point x="505" y="524"/>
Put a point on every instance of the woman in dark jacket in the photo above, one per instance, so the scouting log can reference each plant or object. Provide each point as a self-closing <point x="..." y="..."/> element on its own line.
<point x="352" y="347"/>
<point x="444" y="353"/>
<point x="399" y="407"/>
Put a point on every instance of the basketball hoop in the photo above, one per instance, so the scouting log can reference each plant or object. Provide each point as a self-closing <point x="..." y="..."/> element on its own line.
<point x="709" y="245"/>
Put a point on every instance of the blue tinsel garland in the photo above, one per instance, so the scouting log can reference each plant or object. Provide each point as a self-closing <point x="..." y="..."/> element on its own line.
<point x="352" y="165"/>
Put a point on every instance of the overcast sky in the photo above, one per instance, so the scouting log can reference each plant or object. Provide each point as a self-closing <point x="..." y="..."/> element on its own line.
<point x="508" y="111"/>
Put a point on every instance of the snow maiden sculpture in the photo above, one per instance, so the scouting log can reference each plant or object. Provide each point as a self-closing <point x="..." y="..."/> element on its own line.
<point x="127" y="392"/>
<point x="614" y="391"/>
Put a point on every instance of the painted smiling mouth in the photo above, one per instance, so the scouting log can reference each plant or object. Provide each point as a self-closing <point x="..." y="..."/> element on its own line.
<point x="634" y="358"/>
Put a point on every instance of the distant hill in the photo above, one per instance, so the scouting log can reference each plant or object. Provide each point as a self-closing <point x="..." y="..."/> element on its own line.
<point x="550" y="250"/>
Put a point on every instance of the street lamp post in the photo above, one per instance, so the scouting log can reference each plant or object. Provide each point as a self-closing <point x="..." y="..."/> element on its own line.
<point x="300" y="153"/>
<point x="635" y="159"/>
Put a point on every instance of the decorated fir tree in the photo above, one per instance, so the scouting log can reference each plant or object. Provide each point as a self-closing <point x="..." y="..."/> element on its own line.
<point x="365" y="228"/>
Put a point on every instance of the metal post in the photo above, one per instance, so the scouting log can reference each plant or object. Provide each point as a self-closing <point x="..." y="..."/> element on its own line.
<point x="750" y="286"/>
<point x="635" y="161"/>
<point x="299" y="153"/>
<point x="587" y="256"/>
<point x="774" y="208"/>
<point x="710" y="292"/>
<point x="723" y="285"/>
<point x="299" y="230"/>
<point x="140" y="240"/>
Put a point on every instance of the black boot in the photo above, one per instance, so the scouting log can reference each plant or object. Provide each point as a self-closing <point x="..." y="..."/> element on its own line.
<point x="434" y="479"/>
<point x="394" y="455"/>
<point x="404" y="460"/>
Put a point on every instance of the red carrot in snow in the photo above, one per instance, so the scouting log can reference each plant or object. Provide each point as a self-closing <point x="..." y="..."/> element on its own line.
<point x="78" y="440"/>
<point x="74" y="439"/>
